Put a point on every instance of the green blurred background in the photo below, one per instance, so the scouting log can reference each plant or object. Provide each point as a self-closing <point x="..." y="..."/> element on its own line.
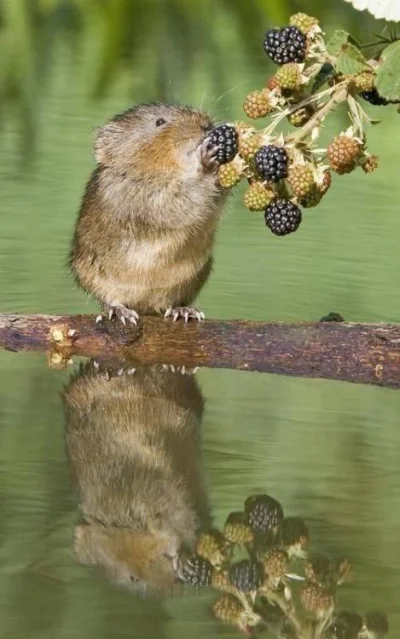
<point x="328" y="451"/>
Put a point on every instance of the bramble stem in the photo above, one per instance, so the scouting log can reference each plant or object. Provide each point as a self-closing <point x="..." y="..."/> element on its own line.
<point x="337" y="98"/>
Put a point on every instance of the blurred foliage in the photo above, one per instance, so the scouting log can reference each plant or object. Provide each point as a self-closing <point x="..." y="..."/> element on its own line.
<point x="170" y="38"/>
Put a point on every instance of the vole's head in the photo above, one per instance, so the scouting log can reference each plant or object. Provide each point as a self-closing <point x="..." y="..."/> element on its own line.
<point x="159" y="138"/>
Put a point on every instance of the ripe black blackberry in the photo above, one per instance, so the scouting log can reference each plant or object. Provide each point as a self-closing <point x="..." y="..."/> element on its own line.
<point x="197" y="571"/>
<point x="271" y="162"/>
<point x="225" y="137"/>
<point x="346" y="625"/>
<point x="263" y="512"/>
<point x="374" y="98"/>
<point x="285" y="45"/>
<point x="282" y="216"/>
<point x="246" y="575"/>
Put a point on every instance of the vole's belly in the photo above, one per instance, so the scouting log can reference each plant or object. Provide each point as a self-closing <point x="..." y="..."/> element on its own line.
<point x="152" y="276"/>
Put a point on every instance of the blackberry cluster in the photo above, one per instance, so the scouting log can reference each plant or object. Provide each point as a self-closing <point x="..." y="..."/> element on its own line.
<point x="263" y="512"/>
<point x="282" y="216"/>
<point x="271" y="162"/>
<point x="226" y="138"/>
<point x="285" y="45"/>
<point x="197" y="571"/>
<point x="246" y="576"/>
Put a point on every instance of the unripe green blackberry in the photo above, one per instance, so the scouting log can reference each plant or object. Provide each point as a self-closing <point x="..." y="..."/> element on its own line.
<point x="249" y="143"/>
<point x="257" y="104"/>
<point x="246" y="575"/>
<point x="363" y="81"/>
<point x="276" y="565"/>
<point x="301" y="116"/>
<point x="229" y="175"/>
<point x="342" y="153"/>
<point x="377" y="623"/>
<point x="229" y="609"/>
<point x="264" y="513"/>
<point x="316" y="600"/>
<point x="370" y="163"/>
<point x="288" y="76"/>
<point x="303" y="22"/>
<point x="197" y="571"/>
<point x="257" y="197"/>
<point x="301" y="179"/>
<point x="212" y="546"/>
<point x="294" y="535"/>
<point x="237" y="531"/>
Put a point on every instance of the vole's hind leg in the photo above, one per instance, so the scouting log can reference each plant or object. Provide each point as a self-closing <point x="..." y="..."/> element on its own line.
<point x="122" y="312"/>
<point x="187" y="312"/>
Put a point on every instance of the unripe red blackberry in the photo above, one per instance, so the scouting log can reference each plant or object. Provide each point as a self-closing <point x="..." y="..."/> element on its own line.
<point x="246" y="575"/>
<point x="212" y="546"/>
<point x="257" y="197"/>
<point x="285" y="45"/>
<point x="316" y="600"/>
<point x="282" y="216"/>
<point x="294" y="535"/>
<point x="257" y="104"/>
<point x="197" y="571"/>
<point x="289" y="76"/>
<point x="224" y="137"/>
<point x="276" y="565"/>
<point x="249" y="143"/>
<point x="264" y="513"/>
<point x="301" y="116"/>
<point x="301" y="179"/>
<point x="271" y="162"/>
<point x="273" y="84"/>
<point x="229" y="609"/>
<point x="342" y="153"/>
<point x="237" y="531"/>
<point x="324" y="184"/>
<point x="229" y="175"/>
<point x="303" y="22"/>
<point x="370" y="163"/>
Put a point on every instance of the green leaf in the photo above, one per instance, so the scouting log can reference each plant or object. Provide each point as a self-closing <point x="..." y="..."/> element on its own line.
<point x="336" y="42"/>
<point x="351" y="61"/>
<point x="388" y="74"/>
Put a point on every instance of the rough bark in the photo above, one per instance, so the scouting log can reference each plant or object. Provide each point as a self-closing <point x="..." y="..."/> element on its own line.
<point x="360" y="353"/>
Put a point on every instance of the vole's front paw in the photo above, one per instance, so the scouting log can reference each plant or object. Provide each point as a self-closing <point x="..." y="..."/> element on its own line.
<point x="208" y="156"/>
<point x="122" y="312"/>
<point x="187" y="312"/>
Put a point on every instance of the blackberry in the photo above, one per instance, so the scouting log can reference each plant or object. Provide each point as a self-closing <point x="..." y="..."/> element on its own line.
<point x="370" y="163"/>
<point x="282" y="216"/>
<point x="318" y="569"/>
<point x="257" y="104"/>
<point x="237" y="531"/>
<point x="364" y="82"/>
<point x="285" y="45"/>
<point x="276" y="565"/>
<point x="342" y="153"/>
<point x="316" y="600"/>
<point x="229" y="175"/>
<point x="197" y="571"/>
<point x="225" y="137"/>
<point x="289" y="76"/>
<point x="212" y="547"/>
<point x="301" y="116"/>
<point x="346" y="625"/>
<point x="271" y="162"/>
<point x="294" y="534"/>
<point x="263" y="512"/>
<point x="377" y="623"/>
<point x="374" y="98"/>
<point x="301" y="179"/>
<point x="303" y="21"/>
<point x="246" y="575"/>
<point x="249" y="143"/>
<point x="257" y="197"/>
<point x="229" y="609"/>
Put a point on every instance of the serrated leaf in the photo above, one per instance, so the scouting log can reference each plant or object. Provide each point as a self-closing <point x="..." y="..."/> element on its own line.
<point x="388" y="74"/>
<point x="351" y="61"/>
<point x="336" y="42"/>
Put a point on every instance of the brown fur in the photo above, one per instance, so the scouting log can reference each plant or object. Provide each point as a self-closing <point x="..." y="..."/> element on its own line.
<point x="134" y="448"/>
<point x="145" y="232"/>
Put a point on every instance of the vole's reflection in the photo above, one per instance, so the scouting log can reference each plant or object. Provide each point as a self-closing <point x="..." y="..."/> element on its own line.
<point x="133" y="443"/>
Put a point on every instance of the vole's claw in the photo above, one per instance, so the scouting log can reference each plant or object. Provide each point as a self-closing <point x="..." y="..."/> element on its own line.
<point x="123" y="313"/>
<point x="99" y="318"/>
<point x="183" y="370"/>
<point x="208" y="157"/>
<point x="187" y="312"/>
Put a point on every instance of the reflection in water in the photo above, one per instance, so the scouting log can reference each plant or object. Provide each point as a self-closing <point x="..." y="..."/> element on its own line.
<point x="133" y="441"/>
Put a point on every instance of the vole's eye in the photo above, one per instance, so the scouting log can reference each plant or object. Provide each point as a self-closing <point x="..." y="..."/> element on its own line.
<point x="160" y="122"/>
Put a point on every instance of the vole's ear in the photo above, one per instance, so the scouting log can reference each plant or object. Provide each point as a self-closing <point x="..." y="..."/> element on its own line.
<point x="104" y="145"/>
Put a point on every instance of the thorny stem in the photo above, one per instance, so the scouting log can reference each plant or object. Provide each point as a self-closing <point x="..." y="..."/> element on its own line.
<point x="337" y="98"/>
